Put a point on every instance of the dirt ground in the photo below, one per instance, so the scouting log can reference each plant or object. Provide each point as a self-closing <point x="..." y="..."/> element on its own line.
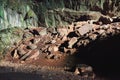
<point x="13" y="71"/>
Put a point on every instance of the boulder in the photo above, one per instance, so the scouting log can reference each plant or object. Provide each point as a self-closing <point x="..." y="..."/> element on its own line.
<point x="43" y="32"/>
<point x="34" y="54"/>
<point x="24" y="57"/>
<point x="15" y="55"/>
<point x="72" y="42"/>
<point x="84" y="29"/>
<point x="32" y="46"/>
<point x="62" y="31"/>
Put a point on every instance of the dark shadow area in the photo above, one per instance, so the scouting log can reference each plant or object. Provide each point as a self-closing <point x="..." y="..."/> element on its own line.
<point x="83" y="18"/>
<point x="103" y="56"/>
<point x="9" y="73"/>
<point x="72" y="34"/>
<point x="19" y="76"/>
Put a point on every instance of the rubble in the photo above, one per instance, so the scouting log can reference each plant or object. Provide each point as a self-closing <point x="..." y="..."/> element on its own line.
<point x="72" y="42"/>
<point x="21" y="52"/>
<point x="62" y="31"/>
<point x="43" y="32"/>
<point x="84" y="29"/>
<point x="62" y="39"/>
<point x="36" y="40"/>
<point x="34" y="55"/>
<point x="93" y="37"/>
<point x="101" y="31"/>
<point x="15" y="55"/>
<point x="32" y="46"/>
<point x="84" y="70"/>
<point x="54" y="43"/>
<point x="24" y="57"/>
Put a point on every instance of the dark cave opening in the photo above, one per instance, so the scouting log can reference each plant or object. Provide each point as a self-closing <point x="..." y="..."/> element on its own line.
<point x="103" y="56"/>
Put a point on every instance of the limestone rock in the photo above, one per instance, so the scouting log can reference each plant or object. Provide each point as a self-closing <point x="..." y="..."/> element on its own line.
<point x="101" y="31"/>
<point x="21" y="52"/>
<point x="104" y="26"/>
<point x="69" y="51"/>
<point x="53" y="56"/>
<point x="53" y="41"/>
<point x="53" y="48"/>
<point x="64" y="38"/>
<point x="84" y="29"/>
<point x="93" y="36"/>
<point x="72" y="42"/>
<point x="24" y="57"/>
<point x="77" y="71"/>
<point x="84" y="71"/>
<point x="36" y="40"/>
<point x="62" y="31"/>
<point x="15" y="55"/>
<point x="34" y="54"/>
<point x="32" y="46"/>
<point x="50" y="56"/>
<point x="43" y="32"/>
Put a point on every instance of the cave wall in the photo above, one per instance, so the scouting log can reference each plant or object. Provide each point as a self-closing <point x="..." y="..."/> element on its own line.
<point x="51" y="18"/>
<point x="27" y="13"/>
<point x="17" y="13"/>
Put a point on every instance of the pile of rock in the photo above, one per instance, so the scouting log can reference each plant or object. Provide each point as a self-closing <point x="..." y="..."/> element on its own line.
<point x="55" y="41"/>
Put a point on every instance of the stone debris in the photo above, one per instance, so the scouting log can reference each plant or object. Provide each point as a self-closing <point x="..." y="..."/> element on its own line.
<point x="21" y="52"/>
<point x="84" y="71"/>
<point x="84" y="29"/>
<point x="24" y="57"/>
<point x="62" y="31"/>
<point x="32" y="46"/>
<point x="55" y="48"/>
<point x="77" y="71"/>
<point x="52" y="48"/>
<point x="15" y="55"/>
<point x="69" y="51"/>
<point x="54" y="43"/>
<point x="53" y="56"/>
<point x="101" y="31"/>
<point x="104" y="26"/>
<point x="34" y="55"/>
<point x="62" y="39"/>
<point x="36" y="40"/>
<point x="43" y="32"/>
<point x="93" y="37"/>
<point x="72" y="42"/>
<point x="50" y="56"/>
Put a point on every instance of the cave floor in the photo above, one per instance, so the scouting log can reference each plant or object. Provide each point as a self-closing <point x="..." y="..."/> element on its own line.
<point x="50" y="54"/>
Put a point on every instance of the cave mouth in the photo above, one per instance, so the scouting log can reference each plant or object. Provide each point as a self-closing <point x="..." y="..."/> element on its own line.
<point x="103" y="56"/>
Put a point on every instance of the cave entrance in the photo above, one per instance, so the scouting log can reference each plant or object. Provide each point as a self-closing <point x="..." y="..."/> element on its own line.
<point x="103" y="56"/>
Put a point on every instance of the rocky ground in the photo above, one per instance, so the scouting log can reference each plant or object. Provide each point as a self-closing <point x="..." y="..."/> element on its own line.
<point x="49" y="53"/>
